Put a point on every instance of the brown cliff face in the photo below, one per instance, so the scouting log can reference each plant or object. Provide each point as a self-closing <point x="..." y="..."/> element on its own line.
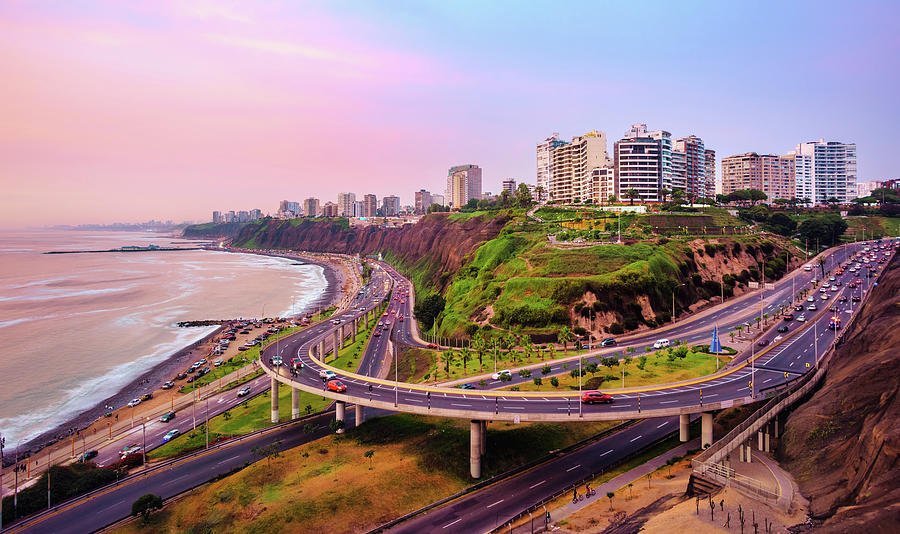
<point x="843" y="444"/>
<point x="437" y="238"/>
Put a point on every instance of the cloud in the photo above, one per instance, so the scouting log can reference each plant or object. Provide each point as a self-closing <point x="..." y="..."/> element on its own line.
<point x="287" y="49"/>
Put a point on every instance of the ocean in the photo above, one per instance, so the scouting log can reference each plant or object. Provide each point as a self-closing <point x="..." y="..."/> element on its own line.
<point x="76" y="328"/>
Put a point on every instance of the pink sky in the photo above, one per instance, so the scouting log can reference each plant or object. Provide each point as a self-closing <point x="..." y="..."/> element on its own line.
<point x="126" y="111"/>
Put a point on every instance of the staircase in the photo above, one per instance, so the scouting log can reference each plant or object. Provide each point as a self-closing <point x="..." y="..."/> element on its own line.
<point x="698" y="485"/>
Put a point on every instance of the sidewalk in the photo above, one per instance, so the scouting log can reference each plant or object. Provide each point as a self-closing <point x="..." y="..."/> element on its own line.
<point x="614" y="485"/>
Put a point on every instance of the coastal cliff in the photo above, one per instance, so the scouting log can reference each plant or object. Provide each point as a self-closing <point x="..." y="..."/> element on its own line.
<point x="843" y="444"/>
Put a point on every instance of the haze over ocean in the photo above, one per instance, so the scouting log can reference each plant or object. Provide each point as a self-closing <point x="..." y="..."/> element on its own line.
<point x="76" y="328"/>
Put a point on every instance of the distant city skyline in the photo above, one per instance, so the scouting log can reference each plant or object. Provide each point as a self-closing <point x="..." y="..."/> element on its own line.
<point x="171" y="110"/>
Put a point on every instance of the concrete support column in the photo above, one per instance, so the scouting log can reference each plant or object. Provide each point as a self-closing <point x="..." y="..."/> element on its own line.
<point x="360" y="414"/>
<point x="684" y="433"/>
<point x="337" y="341"/>
<point x="759" y="439"/>
<point x="339" y="407"/>
<point x="274" y="395"/>
<point x="322" y="350"/>
<point x="475" y="431"/>
<point x="706" y="432"/>
<point x="748" y="450"/>
<point x="766" y="440"/>
<point x="775" y="426"/>
<point x="295" y="403"/>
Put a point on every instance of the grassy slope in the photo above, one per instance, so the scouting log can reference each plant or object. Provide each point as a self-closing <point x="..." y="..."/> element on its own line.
<point x="329" y="485"/>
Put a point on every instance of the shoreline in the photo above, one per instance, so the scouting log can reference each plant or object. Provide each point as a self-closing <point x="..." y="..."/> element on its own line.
<point x="150" y="381"/>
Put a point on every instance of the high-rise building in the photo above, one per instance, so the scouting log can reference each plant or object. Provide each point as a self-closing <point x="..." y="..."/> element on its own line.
<point x="390" y="206"/>
<point x="711" y="182"/>
<point x="773" y="175"/>
<point x="439" y="200"/>
<point x="834" y="169"/>
<point x="571" y="166"/>
<point x="544" y="171"/>
<point x="370" y="205"/>
<point x="311" y="207"/>
<point x="423" y="201"/>
<point x="217" y="217"/>
<point x="255" y="214"/>
<point x="345" y="203"/>
<point x="357" y="209"/>
<point x="463" y="184"/>
<point x="864" y="189"/>
<point x="509" y="185"/>
<point x="643" y="162"/>
<point x="287" y="208"/>
<point x="330" y="209"/>
<point x="804" y="174"/>
<point x="696" y="182"/>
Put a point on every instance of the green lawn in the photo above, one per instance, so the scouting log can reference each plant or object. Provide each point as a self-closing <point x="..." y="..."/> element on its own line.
<point x="423" y="365"/>
<point x="658" y="369"/>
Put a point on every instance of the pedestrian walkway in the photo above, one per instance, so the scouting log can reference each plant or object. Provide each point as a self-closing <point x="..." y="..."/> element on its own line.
<point x="614" y="485"/>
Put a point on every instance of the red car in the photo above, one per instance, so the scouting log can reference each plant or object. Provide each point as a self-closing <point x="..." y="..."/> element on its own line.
<point x="432" y="346"/>
<point x="591" y="397"/>
<point x="337" y="385"/>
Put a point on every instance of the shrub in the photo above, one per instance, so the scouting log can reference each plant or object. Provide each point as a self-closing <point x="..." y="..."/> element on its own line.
<point x="545" y="370"/>
<point x="616" y="329"/>
<point x="537" y="381"/>
<point x="554" y="381"/>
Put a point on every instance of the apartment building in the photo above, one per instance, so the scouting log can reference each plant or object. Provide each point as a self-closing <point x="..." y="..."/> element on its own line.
<point x="311" y="207"/>
<point x="773" y="175"/>
<point x="463" y="184"/>
<point x="834" y="169"/>
<point x="544" y="172"/>
<point x="345" y="203"/>
<point x="572" y="165"/>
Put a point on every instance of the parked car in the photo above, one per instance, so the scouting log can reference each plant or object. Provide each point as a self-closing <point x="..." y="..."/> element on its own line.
<point x="466" y="386"/>
<point x="168" y="385"/>
<point x="661" y="343"/>
<point x="608" y="342"/>
<point x="337" y="385"/>
<point x="244" y="391"/>
<point x="593" y="397"/>
<point x="134" y="402"/>
<point x="180" y="376"/>
<point x="498" y="374"/>
<point x="171" y="434"/>
<point x="167" y="417"/>
<point x="218" y="362"/>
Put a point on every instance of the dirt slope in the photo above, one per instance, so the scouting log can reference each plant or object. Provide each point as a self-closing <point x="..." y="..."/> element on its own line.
<point x="843" y="444"/>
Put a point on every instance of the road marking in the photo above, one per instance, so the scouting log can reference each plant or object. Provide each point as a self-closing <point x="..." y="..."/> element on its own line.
<point x="463" y="405"/>
<point x="536" y="485"/>
<point x="637" y="438"/>
<point x="513" y="407"/>
<point x="712" y="395"/>
<point x="573" y="468"/>
<point x="607" y="452"/>
<point x="495" y="504"/>
<point x="664" y="424"/>
<point x="767" y="380"/>
<point x="453" y="523"/>
<point x="667" y="402"/>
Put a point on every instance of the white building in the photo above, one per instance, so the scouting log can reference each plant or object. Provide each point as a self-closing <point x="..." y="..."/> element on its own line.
<point x="643" y="162"/>
<point x="544" y="172"/>
<point x="572" y="165"/>
<point x="509" y="185"/>
<point x="834" y="170"/>
<point x="864" y="189"/>
<point x="463" y="184"/>
<point x="345" y="202"/>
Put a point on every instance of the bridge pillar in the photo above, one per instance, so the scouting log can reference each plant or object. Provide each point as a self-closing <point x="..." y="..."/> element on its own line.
<point x="706" y="432"/>
<point x="337" y="341"/>
<point x="741" y="452"/>
<point x="759" y="440"/>
<point x="339" y="407"/>
<point x="684" y="433"/>
<point x="274" y="394"/>
<point x="775" y="426"/>
<point x="475" y="452"/>
<point x="360" y="415"/>
<point x="295" y="403"/>
<point x="766" y="439"/>
<point x="322" y="350"/>
<point x="748" y="449"/>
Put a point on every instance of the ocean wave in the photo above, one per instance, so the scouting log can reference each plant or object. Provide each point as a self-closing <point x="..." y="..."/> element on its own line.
<point x="53" y="294"/>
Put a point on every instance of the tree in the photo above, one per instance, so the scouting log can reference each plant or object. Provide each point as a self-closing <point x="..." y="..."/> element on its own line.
<point x="564" y="336"/>
<point x="663" y="193"/>
<point x="370" y="454"/>
<point x="427" y="309"/>
<point x="505" y="198"/>
<point x="479" y="343"/>
<point x="145" y="504"/>
<point x="540" y="192"/>
<point x="335" y="425"/>
<point x="449" y="357"/>
<point x="678" y="196"/>
<point x="610" y="495"/>
<point x="268" y="451"/>
<point x="509" y="342"/>
<point x="632" y="194"/>
<point x="527" y="347"/>
<point x="523" y="196"/>
<point x="465" y="355"/>
<point x="781" y="224"/>
<point x="554" y="381"/>
<point x="613" y="199"/>
<point x="755" y="195"/>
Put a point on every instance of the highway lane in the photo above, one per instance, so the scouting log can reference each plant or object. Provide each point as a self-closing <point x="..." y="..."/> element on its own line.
<point x="489" y="508"/>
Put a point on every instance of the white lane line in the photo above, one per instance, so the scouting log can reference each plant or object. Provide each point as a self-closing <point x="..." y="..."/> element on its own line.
<point x="483" y="397"/>
<point x="495" y="504"/>
<point x="637" y="438"/>
<point x="514" y="407"/>
<point x="453" y="523"/>
<point x="536" y="485"/>
<point x="712" y="395"/>
<point x="667" y="402"/>
<point x="664" y="424"/>
<point x="465" y="405"/>
<point x="607" y="452"/>
<point x="415" y="400"/>
<point x="228" y="459"/>
<point x="573" y="468"/>
<point x="620" y="406"/>
<point x="767" y="380"/>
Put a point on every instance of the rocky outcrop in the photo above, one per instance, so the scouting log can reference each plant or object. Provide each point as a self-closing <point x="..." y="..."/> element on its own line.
<point x="843" y="444"/>
<point x="438" y="239"/>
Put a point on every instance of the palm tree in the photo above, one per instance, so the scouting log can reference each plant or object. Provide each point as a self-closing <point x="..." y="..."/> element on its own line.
<point x="466" y="355"/>
<point x="739" y="328"/>
<point x="527" y="347"/>
<point x="370" y="454"/>
<point x="664" y="193"/>
<point x="610" y="495"/>
<point x="632" y="194"/>
<point x="449" y="357"/>
<point x="480" y="346"/>
<point x="540" y="193"/>
<point x="509" y="343"/>
<point x="564" y="336"/>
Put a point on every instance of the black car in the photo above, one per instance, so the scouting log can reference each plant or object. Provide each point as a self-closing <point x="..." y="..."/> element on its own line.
<point x="88" y="455"/>
<point x="466" y="386"/>
<point x="762" y="342"/>
<point x="180" y="376"/>
<point x="608" y="342"/>
<point x="783" y="328"/>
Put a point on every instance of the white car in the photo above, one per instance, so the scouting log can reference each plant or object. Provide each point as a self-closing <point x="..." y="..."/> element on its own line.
<point x="661" y="343"/>
<point x="134" y="402"/>
<point x="801" y="319"/>
<point x="327" y="374"/>
<point x="811" y="307"/>
<point x="825" y="297"/>
<point x="498" y="374"/>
